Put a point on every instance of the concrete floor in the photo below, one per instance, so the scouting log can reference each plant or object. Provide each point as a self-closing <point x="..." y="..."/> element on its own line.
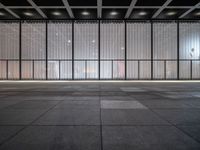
<point x="99" y="116"/>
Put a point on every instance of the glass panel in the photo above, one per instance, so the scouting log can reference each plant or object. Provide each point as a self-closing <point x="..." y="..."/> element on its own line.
<point x="171" y="69"/>
<point x="39" y="70"/>
<point x="33" y="41"/>
<point x="79" y="69"/>
<point x="184" y="67"/>
<point x="106" y="70"/>
<point x="92" y="69"/>
<point x="158" y="70"/>
<point x="27" y="69"/>
<point x="13" y="69"/>
<point x="112" y="40"/>
<point x="3" y="70"/>
<point x="60" y="40"/>
<point x="145" y="70"/>
<point x="132" y="69"/>
<point x="53" y="70"/>
<point x="196" y="69"/>
<point x="118" y="70"/>
<point x="65" y="70"/>
<point x="189" y="41"/>
<point x="86" y="40"/>
<point x="9" y="40"/>
<point x="138" y="41"/>
<point x="165" y="41"/>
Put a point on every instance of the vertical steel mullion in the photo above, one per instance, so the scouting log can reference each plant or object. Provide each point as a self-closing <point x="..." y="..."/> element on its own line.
<point x="178" y="50"/>
<point x="33" y="69"/>
<point x="138" y="69"/>
<point x="151" y="50"/>
<point x="86" y="69"/>
<point x="7" y="69"/>
<point x="99" y="46"/>
<point x="191" y="69"/>
<point x="59" y="68"/>
<point x="112" y="69"/>
<point x="165" y="69"/>
<point x="125" y="48"/>
<point x="73" y="50"/>
<point x="20" y="51"/>
<point x="46" y="50"/>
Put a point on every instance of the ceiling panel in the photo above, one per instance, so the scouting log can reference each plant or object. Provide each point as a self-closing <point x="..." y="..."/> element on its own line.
<point x="116" y="2"/>
<point x="27" y="13"/>
<point x="82" y="2"/>
<point x="142" y="13"/>
<point x="48" y="2"/>
<point x="150" y="2"/>
<point x="113" y="13"/>
<point x="171" y="13"/>
<point x="15" y="2"/>
<point x="56" y="13"/>
<point x="5" y="15"/>
<point x="85" y="13"/>
<point x="184" y="2"/>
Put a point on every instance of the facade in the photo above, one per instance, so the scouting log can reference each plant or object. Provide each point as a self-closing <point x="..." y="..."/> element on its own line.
<point x="99" y="50"/>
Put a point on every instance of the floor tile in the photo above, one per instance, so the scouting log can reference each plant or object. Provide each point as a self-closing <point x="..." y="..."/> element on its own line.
<point x="146" y="138"/>
<point x="55" y="138"/>
<point x="121" y="105"/>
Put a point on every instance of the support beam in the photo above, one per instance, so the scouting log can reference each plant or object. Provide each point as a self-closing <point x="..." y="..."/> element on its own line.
<point x="161" y="8"/>
<point x="99" y="8"/>
<point x="37" y="8"/>
<point x="8" y="10"/>
<point x="128" y="13"/>
<point x="69" y="10"/>
<point x="190" y="10"/>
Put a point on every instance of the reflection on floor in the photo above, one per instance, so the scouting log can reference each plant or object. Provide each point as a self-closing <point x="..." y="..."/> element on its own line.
<point x="99" y="116"/>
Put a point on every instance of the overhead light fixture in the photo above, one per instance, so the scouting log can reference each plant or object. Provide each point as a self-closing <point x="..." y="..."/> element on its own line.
<point x="113" y="13"/>
<point x="2" y="14"/>
<point x="56" y="13"/>
<point x="142" y="13"/>
<point x="28" y="14"/>
<point x="85" y="13"/>
<point x="197" y="14"/>
<point x="171" y="13"/>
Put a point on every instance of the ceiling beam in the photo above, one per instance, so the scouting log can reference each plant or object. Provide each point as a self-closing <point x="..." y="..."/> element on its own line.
<point x="128" y="13"/>
<point x="99" y="8"/>
<point x="69" y="10"/>
<point x="9" y="10"/>
<point x="161" y="8"/>
<point x="37" y="8"/>
<point x="190" y="10"/>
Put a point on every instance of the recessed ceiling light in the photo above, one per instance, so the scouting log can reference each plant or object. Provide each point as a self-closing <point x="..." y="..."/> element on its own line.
<point x="2" y="14"/>
<point x="28" y="14"/>
<point x="171" y="13"/>
<point x="56" y="13"/>
<point x="197" y="14"/>
<point x="113" y="13"/>
<point x="85" y="13"/>
<point x="142" y="13"/>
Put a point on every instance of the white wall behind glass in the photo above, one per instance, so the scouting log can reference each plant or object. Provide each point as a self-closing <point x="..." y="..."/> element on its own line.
<point x="86" y="40"/>
<point x="112" y="40"/>
<point x="60" y="40"/>
<point x="165" y="40"/>
<point x="9" y="40"/>
<point x="138" y="41"/>
<point x="189" y="40"/>
<point x="33" y="41"/>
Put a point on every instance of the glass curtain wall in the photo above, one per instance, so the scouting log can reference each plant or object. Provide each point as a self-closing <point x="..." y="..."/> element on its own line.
<point x="112" y="50"/>
<point x="189" y="50"/>
<point x="138" y="50"/>
<point x="9" y="50"/>
<point x="56" y="50"/>
<point x="165" y="50"/>
<point x="59" y="50"/>
<point x="86" y="50"/>
<point x="33" y="50"/>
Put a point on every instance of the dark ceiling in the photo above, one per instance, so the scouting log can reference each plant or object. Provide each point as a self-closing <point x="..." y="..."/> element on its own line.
<point x="102" y="9"/>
